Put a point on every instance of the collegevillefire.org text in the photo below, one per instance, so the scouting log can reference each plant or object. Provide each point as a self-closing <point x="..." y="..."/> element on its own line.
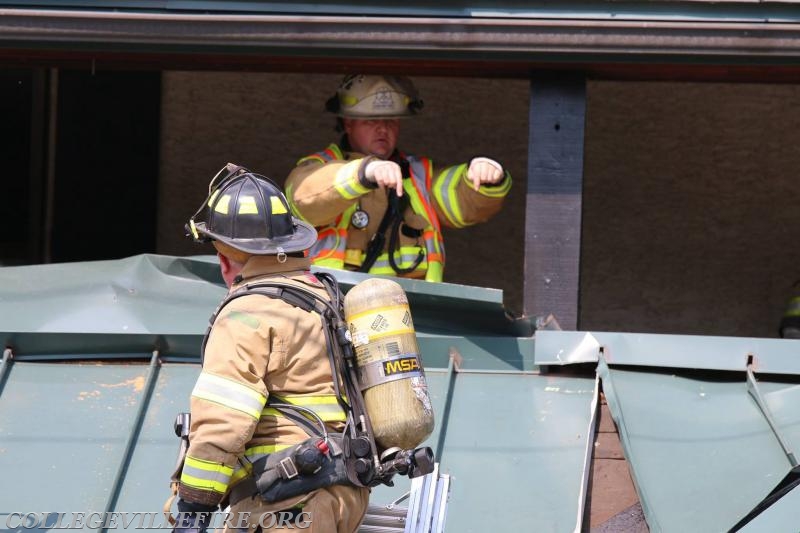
<point x="148" y="520"/>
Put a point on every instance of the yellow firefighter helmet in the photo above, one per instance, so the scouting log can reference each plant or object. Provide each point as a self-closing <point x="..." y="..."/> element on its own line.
<point x="366" y="96"/>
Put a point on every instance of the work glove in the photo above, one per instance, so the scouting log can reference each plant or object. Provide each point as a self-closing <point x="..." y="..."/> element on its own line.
<point x="387" y="174"/>
<point x="193" y="517"/>
<point x="484" y="171"/>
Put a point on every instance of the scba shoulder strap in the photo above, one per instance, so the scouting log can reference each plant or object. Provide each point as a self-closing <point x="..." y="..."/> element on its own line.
<point x="360" y="453"/>
<point x="331" y="312"/>
<point x="293" y="295"/>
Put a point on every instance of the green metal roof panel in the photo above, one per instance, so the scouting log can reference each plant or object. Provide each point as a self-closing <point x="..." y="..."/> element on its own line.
<point x="516" y="445"/>
<point x="701" y="453"/>
<point x="511" y="441"/>
<point x="156" y="445"/>
<point x="64" y="426"/>
<point x="777" y="516"/>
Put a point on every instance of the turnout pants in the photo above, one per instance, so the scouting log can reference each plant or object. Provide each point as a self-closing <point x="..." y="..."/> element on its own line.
<point x="335" y="509"/>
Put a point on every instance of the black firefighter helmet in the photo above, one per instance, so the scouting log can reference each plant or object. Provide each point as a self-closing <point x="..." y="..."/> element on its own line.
<point x="249" y="212"/>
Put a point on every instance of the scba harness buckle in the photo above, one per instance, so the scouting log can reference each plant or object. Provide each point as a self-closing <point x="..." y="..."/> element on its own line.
<point x="288" y="468"/>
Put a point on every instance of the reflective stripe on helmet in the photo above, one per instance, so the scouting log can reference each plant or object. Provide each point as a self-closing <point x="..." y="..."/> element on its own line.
<point x="206" y="475"/>
<point x="230" y="394"/>
<point x="249" y="214"/>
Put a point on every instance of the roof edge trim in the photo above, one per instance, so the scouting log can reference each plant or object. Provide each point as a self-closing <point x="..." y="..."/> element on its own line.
<point x="739" y="42"/>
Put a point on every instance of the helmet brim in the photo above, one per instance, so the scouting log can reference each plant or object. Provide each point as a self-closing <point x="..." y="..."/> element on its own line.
<point x="302" y="239"/>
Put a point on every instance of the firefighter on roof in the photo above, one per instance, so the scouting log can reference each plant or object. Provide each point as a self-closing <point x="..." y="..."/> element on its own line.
<point x="376" y="208"/>
<point x="260" y="354"/>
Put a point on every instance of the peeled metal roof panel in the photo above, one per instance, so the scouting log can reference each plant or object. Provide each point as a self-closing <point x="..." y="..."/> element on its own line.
<point x="701" y="453"/>
<point x="148" y="302"/>
<point x="128" y="305"/>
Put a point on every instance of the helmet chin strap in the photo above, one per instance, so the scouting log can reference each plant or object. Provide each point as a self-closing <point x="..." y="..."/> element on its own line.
<point x="224" y="174"/>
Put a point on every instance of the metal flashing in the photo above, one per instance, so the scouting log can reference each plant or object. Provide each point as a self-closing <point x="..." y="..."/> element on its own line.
<point x="769" y="356"/>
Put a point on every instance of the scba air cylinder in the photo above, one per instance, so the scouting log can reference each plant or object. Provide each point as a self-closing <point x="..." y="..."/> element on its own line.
<point x="390" y="371"/>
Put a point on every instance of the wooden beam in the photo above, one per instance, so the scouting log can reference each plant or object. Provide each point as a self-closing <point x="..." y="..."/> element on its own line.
<point x="554" y="196"/>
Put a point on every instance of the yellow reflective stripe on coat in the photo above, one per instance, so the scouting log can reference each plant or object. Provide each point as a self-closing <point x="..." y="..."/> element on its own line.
<point x="420" y="202"/>
<point x="206" y="475"/>
<point x="331" y="153"/>
<point x="292" y="206"/>
<point x="328" y="251"/>
<point x="230" y="394"/>
<point x="793" y="309"/>
<point x="435" y="272"/>
<point x="346" y="182"/>
<point x="325" y="405"/>
<point x="239" y="473"/>
<point x="404" y="259"/>
<point x="251" y="455"/>
<point x="445" y="192"/>
<point x="256" y="452"/>
<point x="493" y="191"/>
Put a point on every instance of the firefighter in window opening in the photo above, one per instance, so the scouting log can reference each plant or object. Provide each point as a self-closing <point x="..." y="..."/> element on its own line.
<point x="258" y="349"/>
<point x="376" y="208"/>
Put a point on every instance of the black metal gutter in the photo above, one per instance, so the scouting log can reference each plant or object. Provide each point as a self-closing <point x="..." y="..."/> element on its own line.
<point x="514" y="39"/>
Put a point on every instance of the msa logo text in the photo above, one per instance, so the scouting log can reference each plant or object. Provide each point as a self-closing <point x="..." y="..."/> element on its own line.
<point x="400" y="366"/>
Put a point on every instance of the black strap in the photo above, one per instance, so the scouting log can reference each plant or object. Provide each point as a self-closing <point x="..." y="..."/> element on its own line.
<point x="393" y="216"/>
<point x="295" y="296"/>
<point x="298" y="297"/>
<point x="378" y="240"/>
<point x="394" y="246"/>
<point x="295" y="415"/>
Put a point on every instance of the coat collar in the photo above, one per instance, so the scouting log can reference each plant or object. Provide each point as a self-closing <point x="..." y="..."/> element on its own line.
<point x="260" y="265"/>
